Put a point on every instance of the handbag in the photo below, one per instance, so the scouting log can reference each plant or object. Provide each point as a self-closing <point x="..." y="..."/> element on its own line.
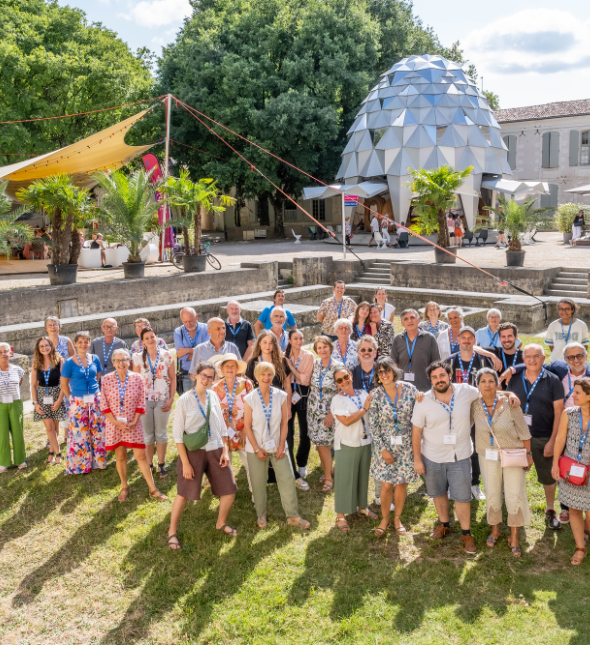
<point x="199" y="439"/>
<point x="565" y="468"/>
<point x="511" y="457"/>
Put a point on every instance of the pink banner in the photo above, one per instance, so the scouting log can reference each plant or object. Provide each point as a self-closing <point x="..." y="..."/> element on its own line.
<point x="150" y="161"/>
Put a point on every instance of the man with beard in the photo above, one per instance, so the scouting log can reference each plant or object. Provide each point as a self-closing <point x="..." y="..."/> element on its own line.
<point x="508" y="353"/>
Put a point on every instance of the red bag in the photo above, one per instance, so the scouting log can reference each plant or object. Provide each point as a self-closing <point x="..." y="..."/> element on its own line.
<point x="565" y="466"/>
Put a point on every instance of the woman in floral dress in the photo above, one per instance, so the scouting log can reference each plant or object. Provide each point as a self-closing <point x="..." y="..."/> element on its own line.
<point x="393" y="458"/>
<point x="382" y="331"/>
<point x="344" y="348"/>
<point x="320" y="422"/>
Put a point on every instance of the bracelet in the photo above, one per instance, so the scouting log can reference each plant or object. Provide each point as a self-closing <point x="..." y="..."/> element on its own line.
<point x="529" y="453"/>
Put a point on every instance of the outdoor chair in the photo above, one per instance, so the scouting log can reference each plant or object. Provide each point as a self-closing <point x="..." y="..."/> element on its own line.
<point x="404" y="239"/>
<point x="311" y="232"/>
<point x="468" y="237"/>
<point x="297" y="237"/>
<point x="482" y="237"/>
<point x="380" y="241"/>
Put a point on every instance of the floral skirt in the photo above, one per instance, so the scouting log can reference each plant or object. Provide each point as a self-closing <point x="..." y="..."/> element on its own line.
<point x="86" y="449"/>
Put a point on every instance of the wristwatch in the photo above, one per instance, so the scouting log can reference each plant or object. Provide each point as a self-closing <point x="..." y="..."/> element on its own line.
<point x="529" y="453"/>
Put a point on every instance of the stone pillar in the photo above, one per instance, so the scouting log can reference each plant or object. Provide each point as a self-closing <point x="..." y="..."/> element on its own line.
<point x="272" y="274"/>
<point x="346" y="270"/>
<point x="312" y="270"/>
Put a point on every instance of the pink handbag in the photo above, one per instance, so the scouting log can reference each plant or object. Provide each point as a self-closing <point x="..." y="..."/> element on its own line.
<point x="511" y="457"/>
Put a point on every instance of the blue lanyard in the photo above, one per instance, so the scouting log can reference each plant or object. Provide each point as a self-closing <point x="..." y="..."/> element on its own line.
<point x="358" y="331"/>
<point x="296" y="366"/>
<point x="340" y="350"/>
<point x="357" y="401"/>
<point x="571" y="387"/>
<point x="494" y="338"/>
<point x="465" y="374"/>
<point x="104" y="352"/>
<point x="530" y="392"/>
<point x="154" y="367"/>
<point x="410" y="353"/>
<point x="341" y="303"/>
<point x="201" y="408"/>
<point x="432" y="329"/>
<point x="230" y="401"/>
<point x="234" y="333"/>
<point x="582" y="438"/>
<point x="86" y="369"/>
<point x="46" y="377"/>
<point x="568" y="331"/>
<point x="123" y="389"/>
<point x="490" y="415"/>
<point x="283" y="341"/>
<point x="513" y="360"/>
<point x="322" y="374"/>
<point x="394" y="406"/>
<point x="449" y="409"/>
<point x="453" y="345"/>
<point x="267" y="410"/>
<point x="192" y="342"/>
<point x="367" y="383"/>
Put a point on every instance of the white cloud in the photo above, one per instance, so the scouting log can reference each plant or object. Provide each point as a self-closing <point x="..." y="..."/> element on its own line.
<point x="155" y="13"/>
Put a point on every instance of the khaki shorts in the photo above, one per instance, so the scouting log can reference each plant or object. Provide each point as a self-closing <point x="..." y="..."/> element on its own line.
<point x="205" y="462"/>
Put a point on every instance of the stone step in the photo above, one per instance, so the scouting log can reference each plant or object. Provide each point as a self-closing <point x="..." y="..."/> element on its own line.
<point x="568" y="286"/>
<point x="573" y="274"/>
<point x="566" y="280"/>
<point x="562" y="293"/>
<point x="381" y="275"/>
<point x="366" y="280"/>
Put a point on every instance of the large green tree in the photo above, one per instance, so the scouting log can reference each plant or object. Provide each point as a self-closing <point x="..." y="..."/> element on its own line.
<point x="52" y="62"/>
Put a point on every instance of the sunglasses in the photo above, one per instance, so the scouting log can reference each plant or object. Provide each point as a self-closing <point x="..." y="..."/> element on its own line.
<point x="341" y="380"/>
<point x="575" y="357"/>
<point x="366" y="350"/>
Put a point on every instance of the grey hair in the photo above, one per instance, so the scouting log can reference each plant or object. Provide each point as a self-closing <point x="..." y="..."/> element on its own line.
<point x="574" y="344"/>
<point x="494" y="311"/>
<point x="5" y="345"/>
<point x="234" y="302"/>
<point x="274" y="311"/>
<point x="345" y="322"/>
<point x="534" y="345"/>
<point x="123" y="351"/>
<point x="55" y="319"/>
<point x="367" y="339"/>
<point x="487" y="370"/>
<point x="457" y="309"/>
<point x="214" y="320"/>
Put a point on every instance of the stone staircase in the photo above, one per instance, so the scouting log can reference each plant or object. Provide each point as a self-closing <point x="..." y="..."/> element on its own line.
<point x="569" y="283"/>
<point x="378" y="273"/>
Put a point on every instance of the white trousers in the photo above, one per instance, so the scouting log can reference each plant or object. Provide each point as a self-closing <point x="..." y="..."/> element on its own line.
<point x="512" y="481"/>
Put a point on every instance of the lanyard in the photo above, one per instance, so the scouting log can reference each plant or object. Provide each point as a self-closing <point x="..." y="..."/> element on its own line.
<point x="357" y="401"/>
<point x="568" y="331"/>
<point x="104" y="352"/>
<point x="267" y="410"/>
<point x="493" y="337"/>
<point x="490" y="415"/>
<point x="191" y="342"/>
<point x="46" y="377"/>
<point x="571" y="387"/>
<point x="284" y="340"/>
<point x="230" y="401"/>
<point x="530" y="392"/>
<point x="154" y="367"/>
<point x="383" y="313"/>
<point x="358" y="331"/>
<point x="432" y="329"/>
<point x="582" y="438"/>
<point x="340" y="350"/>
<point x="449" y="409"/>
<point x="410" y="352"/>
<point x="86" y="369"/>
<point x="322" y="374"/>
<point x="513" y="360"/>
<point x="122" y="390"/>
<point x="394" y="406"/>
<point x="295" y="378"/>
<point x="453" y="345"/>
<point x="465" y="373"/>
<point x="341" y="303"/>
<point x="201" y="408"/>
<point x="367" y="383"/>
<point x="234" y="333"/>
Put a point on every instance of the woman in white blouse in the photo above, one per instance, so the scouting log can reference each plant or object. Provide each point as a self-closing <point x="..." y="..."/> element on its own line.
<point x="266" y="412"/>
<point x="193" y="410"/>
<point x="352" y="446"/>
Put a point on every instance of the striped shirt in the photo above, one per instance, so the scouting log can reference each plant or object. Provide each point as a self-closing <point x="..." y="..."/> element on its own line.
<point x="10" y="383"/>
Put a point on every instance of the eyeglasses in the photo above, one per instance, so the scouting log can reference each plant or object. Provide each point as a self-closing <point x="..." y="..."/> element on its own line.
<point x="341" y="380"/>
<point x="120" y="360"/>
<point x="383" y="372"/>
<point x="565" y="309"/>
<point x="575" y="357"/>
<point x="204" y="377"/>
<point x="51" y="326"/>
<point x="366" y="350"/>
<point x="111" y="327"/>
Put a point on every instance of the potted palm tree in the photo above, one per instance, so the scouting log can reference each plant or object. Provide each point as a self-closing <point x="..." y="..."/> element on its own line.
<point x="12" y="233"/>
<point x="436" y="194"/>
<point x="564" y="218"/>
<point x="127" y="211"/>
<point x="66" y="205"/>
<point x="192" y="199"/>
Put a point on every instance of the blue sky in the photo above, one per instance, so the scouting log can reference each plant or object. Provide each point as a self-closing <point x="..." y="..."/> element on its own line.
<point x="528" y="52"/>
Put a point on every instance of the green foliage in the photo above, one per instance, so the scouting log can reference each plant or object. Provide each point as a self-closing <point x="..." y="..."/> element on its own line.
<point x="493" y="100"/>
<point x="67" y="206"/>
<point x="128" y="209"/>
<point x="436" y="194"/>
<point x="52" y="62"/>
<point x="565" y="214"/>
<point x="518" y="218"/>
<point x="11" y="231"/>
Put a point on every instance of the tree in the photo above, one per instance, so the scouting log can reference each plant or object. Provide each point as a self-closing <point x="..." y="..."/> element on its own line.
<point x="436" y="190"/>
<point x="52" y="62"/>
<point x="67" y="206"/>
<point x="517" y="218"/>
<point x="11" y="231"/>
<point x="493" y="100"/>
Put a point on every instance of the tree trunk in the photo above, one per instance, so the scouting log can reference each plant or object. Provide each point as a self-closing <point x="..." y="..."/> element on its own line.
<point x="75" y="250"/>
<point x="198" y="220"/>
<point x="277" y="200"/>
<point x="67" y="238"/>
<point x="186" y="239"/>
<point x="263" y="206"/>
<point x="443" y="240"/>
<point x="57" y="233"/>
<point x="237" y="211"/>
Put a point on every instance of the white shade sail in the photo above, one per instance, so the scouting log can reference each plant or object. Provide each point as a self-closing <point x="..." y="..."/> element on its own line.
<point x="520" y="189"/>
<point x="363" y="189"/>
<point x="581" y="190"/>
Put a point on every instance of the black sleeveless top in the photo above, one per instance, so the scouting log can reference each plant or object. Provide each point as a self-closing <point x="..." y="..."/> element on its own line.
<point x="54" y="377"/>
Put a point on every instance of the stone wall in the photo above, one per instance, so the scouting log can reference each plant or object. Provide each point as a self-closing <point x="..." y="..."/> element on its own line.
<point x="314" y="270"/>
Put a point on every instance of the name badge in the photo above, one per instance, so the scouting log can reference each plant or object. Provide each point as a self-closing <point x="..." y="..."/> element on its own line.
<point x="47" y="400"/>
<point x="450" y="439"/>
<point x="577" y="471"/>
<point x="409" y="376"/>
<point x="366" y="441"/>
<point x="322" y="407"/>
<point x="152" y="396"/>
<point x="492" y="455"/>
<point x="396" y="440"/>
<point x="270" y="445"/>
<point x="231" y="433"/>
<point x="89" y="398"/>
<point x="528" y="419"/>
<point x="296" y="398"/>
<point x="211" y="445"/>
<point x="122" y="419"/>
<point x="6" y="399"/>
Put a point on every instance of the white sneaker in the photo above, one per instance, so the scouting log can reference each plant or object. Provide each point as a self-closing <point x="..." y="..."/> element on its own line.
<point x="301" y="484"/>
<point x="22" y="466"/>
<point x="303" y="471"/>
<point x="477" y="493"/>
<point x="378" y="503"/>
<point x="3" y="469"/>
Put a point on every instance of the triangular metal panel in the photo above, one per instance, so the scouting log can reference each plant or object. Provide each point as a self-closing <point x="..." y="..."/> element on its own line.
<point x="447" y="101"/>
<point x="392" y="115"/>
<point x="430" y="118"/>
<point x="373" y="167"/>
<point x="354" y="125"/>
<point x="364" y="108"/>
<point x="349" y="146"/>
<point x="493" y="121"/>
<point x="472" y="91"/>
<point x="496" y="139"/>
<point x="362" y="159"/>
<point x="453" y="89"/>
<point x="387" y="92"/>
<point x="405" y="118"/>
<point x="480" y="118"/>
<point x="366" y="142"/>
<point x="361" y="123"/>
<point x="400" y="164"/>
<point x="409" y="91"/>
<point x="420" y="101"/>
<point x="451" y="138"/>
<point x="476" y="138"/>
<point x="420" y="113"/>
<point x="414" y="154"/>
<point x="378" y="120"/>
<point x="407" y="132"/>
<point x="420" y="139"/>
<point x="393" y="103"/>
<point x="423" y="154"/>
<point x="451" y="154"/>
<point x="352" y="168"/>
<point x="374" y="106"/>
<point x="491" y="163"/>
<point x="468" y="159"/>
<point x="506" y="169"/>
<point x="480" y="155"/>
<point x="388" y="140"/>
<point x="341" y="171"/>
<point x="373" y="95"/>
<point x="459" y="117"/>
<point x="436" y="160"/>
<point x="381" y="158"/>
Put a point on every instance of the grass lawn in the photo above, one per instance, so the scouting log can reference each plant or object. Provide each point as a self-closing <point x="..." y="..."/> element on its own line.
<point x="78" y="567"/>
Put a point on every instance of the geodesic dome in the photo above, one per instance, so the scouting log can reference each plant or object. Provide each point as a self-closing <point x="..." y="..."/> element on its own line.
<point x="424" y="112"/>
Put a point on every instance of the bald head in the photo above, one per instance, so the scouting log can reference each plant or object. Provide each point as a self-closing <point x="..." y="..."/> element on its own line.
<point x="189" y="318"/>
<point x="216" y="329"/>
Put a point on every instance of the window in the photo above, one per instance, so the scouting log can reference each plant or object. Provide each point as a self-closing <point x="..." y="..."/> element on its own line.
<point x="550" y="201"/>
<point x="585" y="149"/>
<point x="550" y="151"/>
<point x="290" y="215"/>
<point x="511" y="141"/>
<point x="319" y="209"/>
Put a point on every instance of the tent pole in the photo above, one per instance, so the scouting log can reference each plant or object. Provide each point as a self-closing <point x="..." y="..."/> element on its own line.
<point x="166" y="165"/>
<point x="343" y="228"/>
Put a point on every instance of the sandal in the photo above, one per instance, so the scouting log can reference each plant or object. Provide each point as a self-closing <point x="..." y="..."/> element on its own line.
<point x="342" y="524"/>
<point x="491" y="541"/>
<point x="261" y="521"/>
<point x="51" y="457"/>
<point x="327" y="487"/>
<point x="575" y="560"/>
<point x="157" y="495"/>
<point x="516" y="550"/>
<point x="380" y="532"/>
<point x="163" y="471"/>
<point x="367" y="513"/>
<point x="300" y="522"/>
<point x="124" y="494"/>
<point x="57" y="456"/>
<point x="401" y="529"/>
<point x="231" y="531"/>
<point x="174" y="546"/>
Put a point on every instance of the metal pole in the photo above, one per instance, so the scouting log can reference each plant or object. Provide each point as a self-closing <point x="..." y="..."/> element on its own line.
<point x="166" y="165"/>
<point x="343" y="228"/>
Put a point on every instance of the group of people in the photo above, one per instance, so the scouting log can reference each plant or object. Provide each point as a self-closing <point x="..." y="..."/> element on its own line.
<point x="458" y="407"/>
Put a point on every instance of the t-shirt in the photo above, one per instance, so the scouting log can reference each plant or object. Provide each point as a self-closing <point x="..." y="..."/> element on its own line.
<point x="354" y="435"/>
<point x="98" y="349"/>
<point x="387" y="311"/>
<point x="240" y="334"/>
<point x="10" y="384"/>
<point x="207" y="350"/>
<point x="458" y="371"/>
<point x="375" y="225"/>
<point x="484" y="337"/>
<point x="332" y="311"/>
<point x="559" y="335"/>
<point x="425" y="352"/>
<point x="362" y="380"/>
<point x="548" y="390"/>
<point x="264" y="318"/>
<point x="79" y="384"/>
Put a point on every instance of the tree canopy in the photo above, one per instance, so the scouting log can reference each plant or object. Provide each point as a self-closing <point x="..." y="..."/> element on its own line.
<point x="52" y="62"/>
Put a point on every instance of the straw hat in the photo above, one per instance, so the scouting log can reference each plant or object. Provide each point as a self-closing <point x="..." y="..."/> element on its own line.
<point x="220" y="359"/>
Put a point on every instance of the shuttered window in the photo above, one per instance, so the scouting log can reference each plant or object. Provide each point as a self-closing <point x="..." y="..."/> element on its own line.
<point x="511" y="142"/>
<point x="550" y="201"/>
<point x="585" y="149"/>
<point x="550" y="151"/>
<point x="319" y="209"/>
<point x="574" y="147"/>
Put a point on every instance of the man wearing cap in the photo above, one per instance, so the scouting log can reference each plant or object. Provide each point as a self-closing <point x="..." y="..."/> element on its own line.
<point x="239" y="331"/>
<point x="104" y="346"/>
<point x="216" y="345"/>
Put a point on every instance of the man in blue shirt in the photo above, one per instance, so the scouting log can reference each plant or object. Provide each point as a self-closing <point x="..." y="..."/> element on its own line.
<point x="186" y="337"/>
<point x="264" y="322"/>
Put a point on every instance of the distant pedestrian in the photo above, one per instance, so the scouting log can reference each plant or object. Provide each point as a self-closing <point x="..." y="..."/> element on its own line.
<point x="577" y="225"/>
<point x="501" y="220"/>
<point x="458" y="231"/>
<point x="374" y="228"/>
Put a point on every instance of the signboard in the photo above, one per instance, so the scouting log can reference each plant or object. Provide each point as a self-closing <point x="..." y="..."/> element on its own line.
<point x="351" y="200"/>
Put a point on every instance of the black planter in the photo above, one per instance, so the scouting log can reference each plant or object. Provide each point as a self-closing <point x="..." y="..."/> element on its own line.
<point x="133" y="270"/>
<point x="194" y="263"/>
<point x="62" y="273"/>
<point x="440" y="257"/>
<point x="515" y="258"/>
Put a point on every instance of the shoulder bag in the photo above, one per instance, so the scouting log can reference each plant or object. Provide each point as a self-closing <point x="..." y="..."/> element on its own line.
<point x="580" y="475"/>
<point x="511" y="457"/>
<point x="199" y="439"/>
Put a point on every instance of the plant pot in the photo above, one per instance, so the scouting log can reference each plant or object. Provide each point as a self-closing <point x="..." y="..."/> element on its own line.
<point x="515" y="258"/>
<point x="133" y="270"/>
<point x="62" y="273"/>
<point x="194" y="263"/>
<point x="567" y="238"/>
<point x="440" y="257"/>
